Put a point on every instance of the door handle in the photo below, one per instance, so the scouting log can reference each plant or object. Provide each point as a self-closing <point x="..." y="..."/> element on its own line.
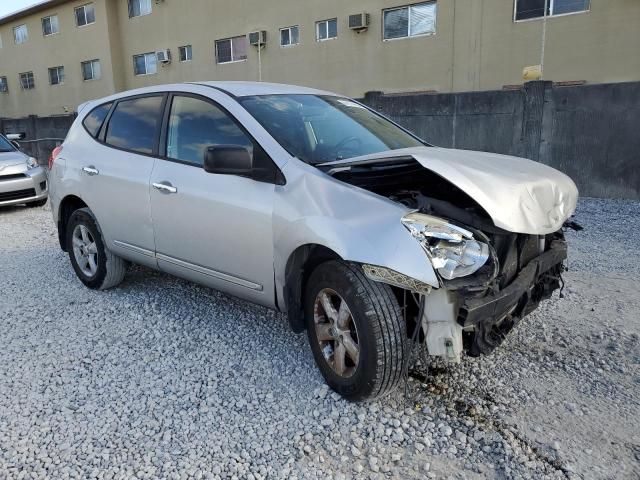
<point x="165" y="187"/>
<point x="91" y="171"/>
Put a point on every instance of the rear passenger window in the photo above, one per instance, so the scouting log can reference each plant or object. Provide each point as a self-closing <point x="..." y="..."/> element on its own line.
<point x="95" y="119"/>
<point x="134" y="124"/>
<point x="195" y="125"/>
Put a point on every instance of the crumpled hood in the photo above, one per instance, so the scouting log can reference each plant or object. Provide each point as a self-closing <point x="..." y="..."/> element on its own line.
<point x="519" y="195"/>
<point x="8" y="159"/>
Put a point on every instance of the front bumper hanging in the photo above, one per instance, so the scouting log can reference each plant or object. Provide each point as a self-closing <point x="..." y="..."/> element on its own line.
<point x="487" y="320"/>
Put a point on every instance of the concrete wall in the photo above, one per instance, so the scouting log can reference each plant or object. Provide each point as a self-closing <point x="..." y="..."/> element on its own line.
<point x="589" y="132"/>
<point x="42" y="134"/>
<point x="477" y="46"/>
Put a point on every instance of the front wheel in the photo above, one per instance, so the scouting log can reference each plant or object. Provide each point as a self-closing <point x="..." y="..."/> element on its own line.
<point x="356" y="331"/>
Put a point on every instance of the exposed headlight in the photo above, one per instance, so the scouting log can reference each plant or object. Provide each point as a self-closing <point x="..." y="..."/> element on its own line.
<point x="452" y="250"/>
<point x="32" y="163"/>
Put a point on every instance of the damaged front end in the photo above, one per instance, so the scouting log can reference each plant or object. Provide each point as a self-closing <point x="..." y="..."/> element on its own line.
<point x="490" y="278"/>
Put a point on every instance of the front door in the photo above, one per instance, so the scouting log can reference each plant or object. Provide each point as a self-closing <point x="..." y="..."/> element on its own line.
<point x="212" y="229"/>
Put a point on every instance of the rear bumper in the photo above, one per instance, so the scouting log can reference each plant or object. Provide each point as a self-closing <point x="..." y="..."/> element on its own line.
<point x="23" y="187"/>
<point x="491" y="317"/>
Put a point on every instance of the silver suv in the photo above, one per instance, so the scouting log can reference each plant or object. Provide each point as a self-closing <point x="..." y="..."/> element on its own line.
<point x="311" y="203"/>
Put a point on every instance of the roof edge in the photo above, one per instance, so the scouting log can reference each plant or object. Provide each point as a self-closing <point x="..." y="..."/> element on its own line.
<point x="25" y="12"/>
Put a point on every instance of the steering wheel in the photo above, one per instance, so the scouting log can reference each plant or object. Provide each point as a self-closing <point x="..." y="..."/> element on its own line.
<point x="343" y="143"/>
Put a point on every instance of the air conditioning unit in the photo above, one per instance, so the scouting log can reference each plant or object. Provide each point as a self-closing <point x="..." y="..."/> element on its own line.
<point x="164" y="56"/>
<point x="359" y="21"/>
<point x="258" y="38"/>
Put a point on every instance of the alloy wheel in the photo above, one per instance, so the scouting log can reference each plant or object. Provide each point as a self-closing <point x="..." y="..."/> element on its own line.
<point x="336" y="333"/>
<point x="85" y="250"/>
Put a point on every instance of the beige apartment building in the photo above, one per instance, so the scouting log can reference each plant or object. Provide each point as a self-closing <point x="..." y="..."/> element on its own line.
<point x="60" y="53"/>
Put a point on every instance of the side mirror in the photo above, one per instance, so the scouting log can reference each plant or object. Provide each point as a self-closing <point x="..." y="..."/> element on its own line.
<point x="229" y="160"/>
<point x="15" y="144"/>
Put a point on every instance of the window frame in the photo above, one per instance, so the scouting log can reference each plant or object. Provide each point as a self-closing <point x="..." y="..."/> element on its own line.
<point x="230" y="39"/>
<point x="184" y="48"/>
<point x="408" y="7"/>
<point x="33" y="80"/>
<point x="101" y="137"/>
<point x="5" y="83"/>
<point x="140" y="8"/>
<point x="49" y="17"/>
<point x="326" y="22"/>
<point x="551" y="14"/>
<point x="84" y="11"/>
<point x="146" y="65"/>
<point x="290" y="44"/>
<point x="26" y="29"/>
<point x="57" y="70"/>
<point x="91" y="62"/>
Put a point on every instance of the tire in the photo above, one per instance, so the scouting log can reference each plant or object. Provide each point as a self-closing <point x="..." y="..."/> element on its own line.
<point x="376" y="325"/>
<point x="105" y="270"/>
<point x="37" y="203"/>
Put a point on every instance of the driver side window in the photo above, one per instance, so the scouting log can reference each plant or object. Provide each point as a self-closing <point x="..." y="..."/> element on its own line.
<point x="195" y="125"/>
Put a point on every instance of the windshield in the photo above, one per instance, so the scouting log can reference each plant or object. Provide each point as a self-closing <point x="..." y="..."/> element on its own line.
<point x="319" y="129"/>
<point x="5" y="145"/>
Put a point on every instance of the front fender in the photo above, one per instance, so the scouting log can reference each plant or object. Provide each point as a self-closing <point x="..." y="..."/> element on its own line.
<point x="360" y="226"/>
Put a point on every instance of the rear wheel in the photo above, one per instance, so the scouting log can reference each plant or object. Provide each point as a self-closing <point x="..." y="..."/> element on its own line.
<point x="356" y="331"/>
<point x="95" y="266"/>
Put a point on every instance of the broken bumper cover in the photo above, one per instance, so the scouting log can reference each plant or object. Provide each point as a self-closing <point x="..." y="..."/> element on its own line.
<point x="491" y="317"/>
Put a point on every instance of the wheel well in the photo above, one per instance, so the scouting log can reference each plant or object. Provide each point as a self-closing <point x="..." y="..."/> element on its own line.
<point x="301" y="263"/>
<point x="68" y="205"/>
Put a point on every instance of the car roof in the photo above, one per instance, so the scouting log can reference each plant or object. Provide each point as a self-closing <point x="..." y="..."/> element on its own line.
<point x="232" y="88"/>
<point x="246" y="89"/>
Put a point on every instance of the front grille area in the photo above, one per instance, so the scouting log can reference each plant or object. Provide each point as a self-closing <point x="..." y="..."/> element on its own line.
<point x="17" y="195"/>
<point x="5" y="178"/>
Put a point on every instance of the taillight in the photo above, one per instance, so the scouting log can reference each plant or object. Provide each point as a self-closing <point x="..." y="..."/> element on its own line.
<point x="54" y="154"/>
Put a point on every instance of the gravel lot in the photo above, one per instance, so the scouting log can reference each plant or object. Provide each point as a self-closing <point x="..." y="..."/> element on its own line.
<point x="160" y="378"/>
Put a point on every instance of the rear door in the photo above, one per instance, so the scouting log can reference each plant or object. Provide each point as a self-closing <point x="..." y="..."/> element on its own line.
<point x="209" y="228"/>
<point x="117" y="172"/>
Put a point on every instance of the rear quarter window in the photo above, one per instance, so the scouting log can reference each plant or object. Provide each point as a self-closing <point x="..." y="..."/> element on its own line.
<point x="95" y="119"/>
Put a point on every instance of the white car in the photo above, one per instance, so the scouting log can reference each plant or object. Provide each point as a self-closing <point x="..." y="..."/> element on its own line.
<point x="311" y="203"/>
<point x="22" y="179"/>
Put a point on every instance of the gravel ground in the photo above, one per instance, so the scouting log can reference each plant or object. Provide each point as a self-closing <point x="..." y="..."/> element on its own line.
<point x="160" y="378"/>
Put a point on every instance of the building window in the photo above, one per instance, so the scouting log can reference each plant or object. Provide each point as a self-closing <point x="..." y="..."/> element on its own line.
<point x="27" y="81"/>
<point x="145" y="64"/>
<point x="91" y="70"/>
<point x="20" y="34"/>
<point x="56" y="75"/>
<point x="186" y="53"/>
<point x="327" y="29"/>
<point x="410" y="21"/>
<point x="4" y="86"/>
<point x="85" y="15"/>
<point x="527" y="9"/>
<point x="50" y="25"/>
<point x="289" y="36"/>
<point x="231" y="49"/>
<point x="138" y="8"/>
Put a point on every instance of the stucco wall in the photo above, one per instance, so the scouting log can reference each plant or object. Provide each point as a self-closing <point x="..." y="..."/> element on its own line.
<point x="477" y="46"/>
